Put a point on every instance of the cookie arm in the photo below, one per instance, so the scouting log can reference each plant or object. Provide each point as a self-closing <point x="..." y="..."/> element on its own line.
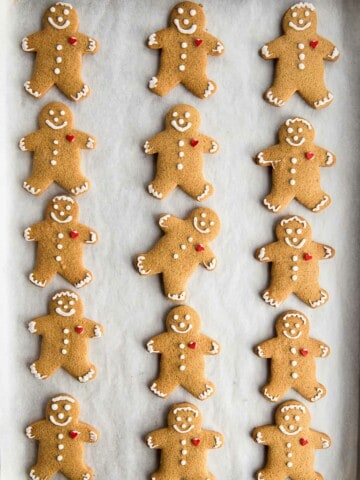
<point x="208" y="259"/>
<point x="319" y="440"/>
<point x="320" y="349"/>
<point x="36" y="325"/>
<point x="170" y="223"/>
<point x="214" y="46"/>
<point x="266" y="349"/>
<point x="88" y="433"/>
<point x="209" y="346"/>
<point x="31" y="43"/>
<point x="157" y="40"/>
<point x="266" y="253"/>
<point x="325" y="158"/>
<point x="328" y="50"/>
<point x="263" y="435"/>
<point x="87" y="235"/>
<point x="272" y="49"/>
<point x="30" y="142"/>
<point x="156" y="344"/>
<point x="157" y="438"/>
<point x="34" y="232"/>
<point x="321" y="251"/>
<point x="93" y="329"/>
<point x="86" y="44"/>
<point x="154" y="144"/>
<point x="212" y="440"/>
<point x="268" y="157"/>
<point x="37" y="430"/>
<point x="208" y="144"/>
<point x="84" y="140"/>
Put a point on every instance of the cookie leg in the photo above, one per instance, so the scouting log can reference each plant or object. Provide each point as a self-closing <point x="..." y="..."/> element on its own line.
<point x="79" y="367"/>
<point x="198" y="188"/>
<point x="314" y="200"/>
<point x="77" y="276"/>
<point x="276" y="293"/>
<point x="278" y="198"/>
<point x="42" y="471"/>
<point x="75" y="184"/>
<point x="317" y="98"/>
<point x="163" y="82"/>
<point x="275" y="389"/>
<point x="175" y="285"/>
<point x="280" y="92"/>
<point x="77" y="472"/>
<point x="43" y="273"/>
<point x="40" y="83"/>
<point x="201" y="389"/>
<point x="159" y="476"/>
<point x="200" y="86"/>
<point x="165" y="384"/>
<point x="269" y="474"/>
<point x="73" y="87"/>
<point x="38" y="182"/>
<point x="313" y="295"/>
<point x="307" y="475"/>
<point x="46" y="365"/>
<point x="160" y="187"/>
<point x="311" y="390"/>
<point x="149" y="263"/>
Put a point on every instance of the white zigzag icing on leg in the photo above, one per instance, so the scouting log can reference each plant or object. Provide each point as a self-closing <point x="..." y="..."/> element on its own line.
<point x="157" y="392"/>
<point x="270" y="206"/>
<point x="269" y="300"/>
<point x="323" y="202"/>
<point x="322" y="299"/>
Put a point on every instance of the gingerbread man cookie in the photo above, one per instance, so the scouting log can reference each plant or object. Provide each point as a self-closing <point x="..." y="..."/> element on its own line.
<point x="292" y="353"/>
<point x="291" y="444"/>
<point x="294" y="259"/>
<point x="60" y="238"/>
<point x="65" y="334"/>
<point x="185" y="45"/>
<point x="296" y="163"/>
<point x="59" y="48"/>
<point x="180" y="149"/>
<point x="183" y="247"/>
<point x="182" y="349"/>
<point x="183" y="444"/>
<point x="57" y="152"/>
<point x="300" y="55"/>
<point x="61" y="437"/>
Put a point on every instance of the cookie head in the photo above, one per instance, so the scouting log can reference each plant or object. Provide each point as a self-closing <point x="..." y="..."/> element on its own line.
<point x="66" y="304"/>
<point x="296" y="132"/>
<point x="294" y="231"/>
<point x="292" y="418"/>
<point x="292" y="325"/>
<point x="183" y="118"/>
<point x="56" y="116"/>
<point x="300" y="17"/>
<point x="62" y="17"/>
<point x="187" y="18"/>
<point x="205" y="223"/>
<point x="62" y="410"/>
<point x="182" y="320"/>
<point x="62" y="209"/>
<point x="184" y="418"/>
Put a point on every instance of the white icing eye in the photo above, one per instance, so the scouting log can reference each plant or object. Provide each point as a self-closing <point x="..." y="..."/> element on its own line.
<point x="178" y="419"/>
<point x="180" y="10"/>
<point x="286" y="325"/>
<point x="67" y="407"/>
<point x="52" y="9"/>
<point x="181" y="324"/>
<point x="203" y="224"/>
<point x="66" y="11"/>
<point x="290" y="130"/>
<point x="299" y="231"/>
<point x="187" y="317"/>
<point x="192" y="12"/>
<point x="203" y="215"/>
<point x="286" y="418"/>
<point x="56" y="207"/>
<point x="212" y="224"/>
<point x="67" y="207"/>
<point x="62" y="112"/>
<point x="189" y="419"/>
<point x="294" y="14"/>
<point x="186" y="21"/>
<point x="297" y="418"/>
<point x="288" y="231"/>
<point x="187" y="115"/>
<point x="54" y="406"/>
<point x="300" y="130"/>
<point x="51" y="112"/>
<point x="297" y="325"/>
<point x="307" y="13"/>
<point x="175" y="114"/>
<point x="176" y="317"/>
<point x="71" y="302"/>
<point x="60" y="302"/>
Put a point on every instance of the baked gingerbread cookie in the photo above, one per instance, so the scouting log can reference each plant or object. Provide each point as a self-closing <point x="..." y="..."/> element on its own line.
<point x="59" y="48"/>
<point x="57" y="152"/>
<point x="300" y="53"/>
<point x="184" y="46"/>
<point x="294" y="257"/>
<point x="183" y="444"/>
<point x="60" y="239"/>
<point x="182" y="349"/>
<point x="184" y="246"/>
<point x="65" y="334"/>
<point x="180" y="148"/>
<point x="291" y="444"/>
<point x="292" y="354"/>
<point x="61" y="438"/>
<point x="296" y="163"/>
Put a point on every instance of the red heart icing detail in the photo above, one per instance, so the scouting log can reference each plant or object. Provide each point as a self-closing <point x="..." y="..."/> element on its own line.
<point x="199" y="247"/>
<point x="307" y="257"/>
<point x="74" y="234"/>
<point x="198" y="42"/>
<point x="303" y="441"/>
<point x="74" y="434"/>
<point x="79" y="329"/>
<point x="194" y="142"/>
<point x="304" y="352"/>
<point x="192" y="345"/>
<point x="73" y="40"/>
<point x="314" y="43"/>
<point x="309" y="155"/>
<point x="70" y="138"/>
<point x="195" y="441"/>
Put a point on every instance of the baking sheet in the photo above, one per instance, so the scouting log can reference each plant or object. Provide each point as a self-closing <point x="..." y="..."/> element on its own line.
<point x="122" y="113"/>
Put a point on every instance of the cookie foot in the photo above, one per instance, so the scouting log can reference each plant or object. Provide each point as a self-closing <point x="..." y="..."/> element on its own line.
<point x="322" y="204"/>
<point x="36" y="373"/>
<point x="271" y="301"/>
<point x="319" y="394"/>
<point x="271" y="207"/>
<point x="84" y="92"/>
<point x="87" y="377"/>
<point x="78" y="190"/>
<point x="317" y="303"/>
<point x="177" y="297"/>
<point x="210" y="89"/>
<point x="206" y="393"/>
<point x="140" y="267"/>
<point x="204" y="194"/>
<point x="87" y="279"/>
<point x="322" y="102"/>
<point x="153" y="82"/>
<point x="36" y="282"/>
<point x="34" y="93"/>
<point x="269" y="96"/>
<point x="272" y="398"/>
<point x="157" y="392"/>
<point x="30" y="189"/>
<point x="154" y="193"/>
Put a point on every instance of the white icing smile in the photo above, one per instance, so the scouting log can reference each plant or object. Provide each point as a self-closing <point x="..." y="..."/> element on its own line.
<point x="59" y="424"/>
<point x="175" y="124"/>
<point x="196" y="226"/>
<point x="187" y="31"/>
<point x="299" y="29"/>
<point x="291" y="244"/>
<point x="180" y="430"/>
<point x="61" y="312"/>
<point x="57" y="26"/>
<point x="54" y="217"/>
<point x="55" y="127"/>
<point x="292" y="337"/>
<point x="173" y="327"/>
<point x="295" y="144"/>
<point x="286" y="432"/>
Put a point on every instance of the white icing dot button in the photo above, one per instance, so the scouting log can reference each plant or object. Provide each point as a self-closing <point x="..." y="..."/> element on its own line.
<point x="179" y="166"/>
<point x="295" y="268"/>
<point x="182" y="345"/>
<point x="295" y="258"/>
<point x="301" y="46"/>
<point x="183" y="462"/>
<point x="60" y="446"/>
<point x="57" y="71"/>
<point x="184" y="45"/>
<point x="183" y="247"/>
<point x="183" y="442"/>
<point x="59" y="246"/>
<point x="181" y="143"/>
<point x="58" y="258"/>
<point x="183" y="56"/>
<point x="294" y="375"/>
<point x="53" y="162"/>
<point x="58" y="59"/>
<point x="66" y="331"/>
<point x="293" y="363"/>
<point x="293" y="350"/>
<point x="293" y="160"/>
<point x="182" y="368"/>
<point x="59" y="47"/>
<point x="60" y="436"/>
<point x="183" y="452"/>
<point x="292" y="182"/>
<point x="294" y="278"/>
<point x="182" y="356"/>
<point x="181" y="154"/>
<point x="66" y="341"/>
<point x="55" y="152"/>
<point x="175" y="256"/>
<point x="289" y="455"/>
<point x="63" y="351"/>
<point x="288" y="445"/>
<point x="301" y="56"/>
<point x="301" y="66"/>
<point x="59" y="458"/>
<point x="292" y="170"/>
<point x="190" y="239"/>
<point x="289" y="464"/>
<point x="60" y="235"/>
<point x="56" y="142"/>
<point x="181" y="68"/>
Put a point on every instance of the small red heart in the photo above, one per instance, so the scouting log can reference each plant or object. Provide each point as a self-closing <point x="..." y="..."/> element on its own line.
<point x="303" y="441"/>
<point x="74" y="434"/>
<point x="195" y="441"/>
<point x="304" y="352"/>
<point x="79" y="329"/>
<point x="309" y="155"/>
<point x="74" y="234"/>
<point x="194" y="142"/>
<point x="73" y="40"/>
<point x="198" y="42"/>
<point x="70" y="138"/>
<point x="307" y="257"/>
<point x="199" y="247"/>
<point x="314" y="43"/>
<point x="192" y="345"/>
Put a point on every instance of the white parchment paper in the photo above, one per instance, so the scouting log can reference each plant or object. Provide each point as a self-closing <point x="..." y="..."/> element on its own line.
<point x="122" y="113"/>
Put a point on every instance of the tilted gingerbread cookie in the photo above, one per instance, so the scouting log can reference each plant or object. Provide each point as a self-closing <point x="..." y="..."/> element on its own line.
<point x="183" y="247"/>
<point x="59" y="48"/>
<point x="182" y="349"/>
<point x="65" y="334"/>
<point x="60" y="244"/>
<point x="57" y="152"/>
<point x="294" y="257"/>
<point x="61" y="438"/>
<point x="183" y="444"/>
<point x="180" y="148"/>
<point x="292" y="353"/>
<point x="300" y="55"/>
<point x="291" y="444"/>
<point x="185" y="45"/>
<point x="296" y="163"/>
